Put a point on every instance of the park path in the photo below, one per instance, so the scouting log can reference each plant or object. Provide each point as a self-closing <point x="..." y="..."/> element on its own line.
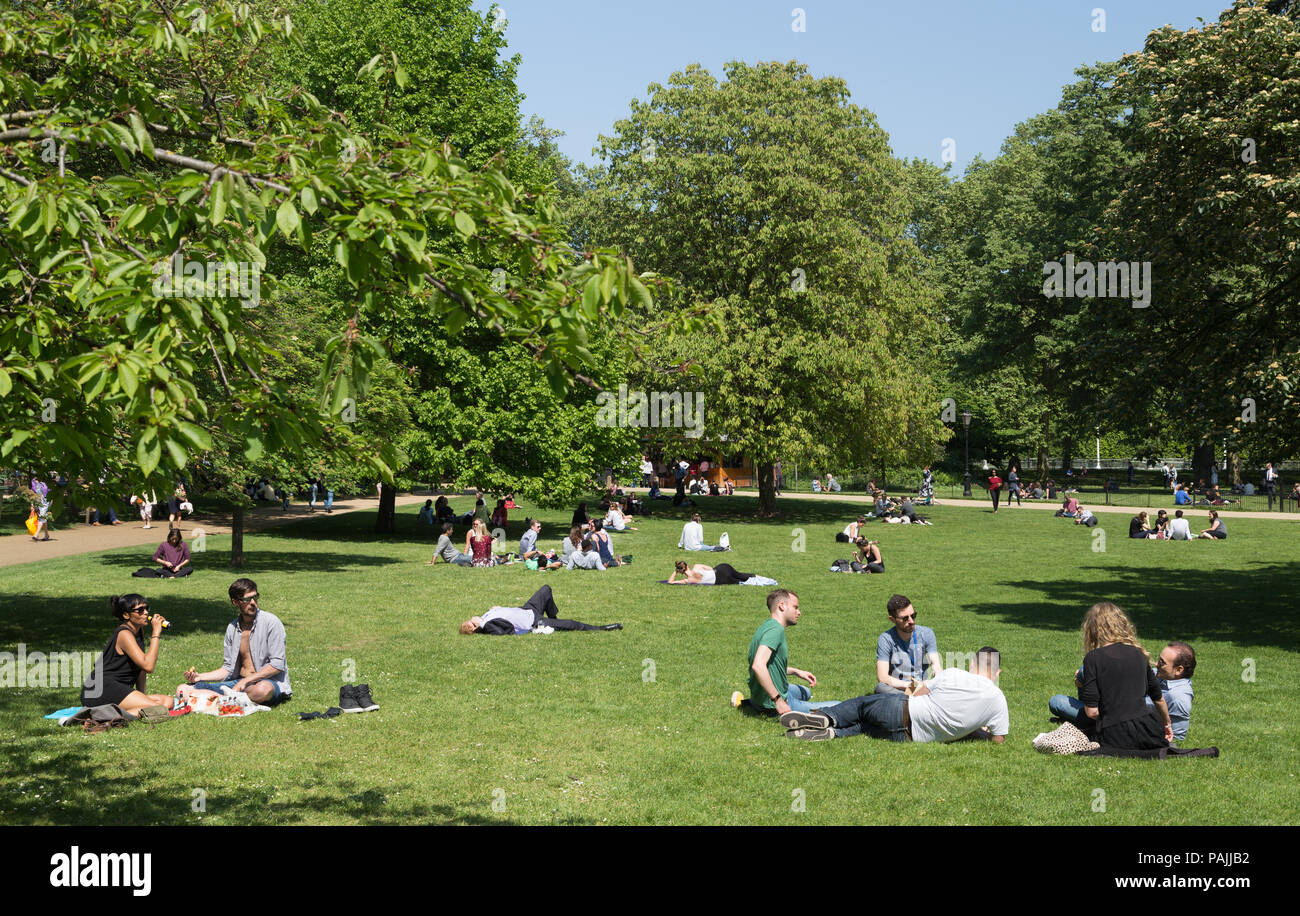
<point x="1053" y="505"/>
<point x="68" y="540"/>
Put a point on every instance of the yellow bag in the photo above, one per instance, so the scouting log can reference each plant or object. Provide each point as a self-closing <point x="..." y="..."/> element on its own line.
<point x="32" y="524"/>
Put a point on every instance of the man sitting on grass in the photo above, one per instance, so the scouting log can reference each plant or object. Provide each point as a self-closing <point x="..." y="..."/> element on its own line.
<point x="903" y="653"/>
<point x="528" y="547"/>
<point x="447" y="550"/>
<point x="952" y="706"/>
<point x="693" y="536"/>
<point x="770" y="690"/>
<point x="1179" y="529"/>
<point x="1174" y="670"/>
<point x="253" y="653"/>
<point x="538" y="611"/>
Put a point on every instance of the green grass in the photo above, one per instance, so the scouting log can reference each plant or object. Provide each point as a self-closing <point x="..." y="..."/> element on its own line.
<point x="570" y="728"/>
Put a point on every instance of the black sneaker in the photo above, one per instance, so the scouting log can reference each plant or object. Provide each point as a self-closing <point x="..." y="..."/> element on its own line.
<point x="348" y="699"/>
<point x="612" y="626"/>
<point x="792" y="720"/>
<point x="364" y="699"/>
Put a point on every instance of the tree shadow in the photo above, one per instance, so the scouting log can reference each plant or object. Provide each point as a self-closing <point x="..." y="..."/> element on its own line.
<point x="71" y="786"/>
<point x="213" y="565"/>
<point x="1243" y="606"/>
<point x="66" y="624"/>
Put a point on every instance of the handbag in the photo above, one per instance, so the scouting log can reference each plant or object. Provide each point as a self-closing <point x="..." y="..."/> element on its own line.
<point x="32" y="524"/>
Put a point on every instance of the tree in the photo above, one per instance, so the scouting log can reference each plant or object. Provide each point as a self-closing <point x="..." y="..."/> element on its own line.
<point x="142" y="159"/>
<point x="1211" y="204"/>
<point x="772" y="198"/>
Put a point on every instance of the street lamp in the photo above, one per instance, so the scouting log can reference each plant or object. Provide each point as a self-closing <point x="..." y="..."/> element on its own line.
<point x="1099" y="448"/>
<point x="965" y="419"/>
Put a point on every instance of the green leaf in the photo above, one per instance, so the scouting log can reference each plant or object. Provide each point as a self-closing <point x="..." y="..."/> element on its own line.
<point x="129" y="380"/>
<point x="6" y="385"/>
<point x="197" y="436"/>
<point x="148" y="452"/>
<point x="309" y="200"/>
<point x="287" y="219"/>
<point x="465" y="224"/>
<point x="177" y="453"/>
<point x="591" y="299"/>
<point x="218" y="209"/>
<point x="253" y="448"/>
<point x="18" y="438"/>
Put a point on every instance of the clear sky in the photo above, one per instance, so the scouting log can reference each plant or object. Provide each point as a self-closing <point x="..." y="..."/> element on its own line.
<point x="968" y="70"/>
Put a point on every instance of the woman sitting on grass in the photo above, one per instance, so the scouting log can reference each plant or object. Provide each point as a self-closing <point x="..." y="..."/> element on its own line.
<point x="722" y="574"/>
<point x="1139" y="526"/>
<point x="869" y="556"/>
<point x="120" y="673"/>
<point x="1115" y="683"/>
<point x="615" y="519"/>
<point x="478" y="544"/>
<point x="1216" y="531"/>
<point x="173" y="557"/>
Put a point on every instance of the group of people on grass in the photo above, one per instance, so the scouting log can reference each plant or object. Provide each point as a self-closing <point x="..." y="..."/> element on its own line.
<point x="253" y="656"/>
<point x="1164" y="528"/>
<point x="1128" y="707"/>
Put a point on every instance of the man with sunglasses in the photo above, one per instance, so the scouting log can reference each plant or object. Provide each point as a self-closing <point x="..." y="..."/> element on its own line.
<point x="904" y="653"/>
<point x="253" y="654"/>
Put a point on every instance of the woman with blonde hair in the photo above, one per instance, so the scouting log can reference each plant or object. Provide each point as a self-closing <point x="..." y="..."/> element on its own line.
<point x="478" y="543"/>
<point x="1115" y="682"/>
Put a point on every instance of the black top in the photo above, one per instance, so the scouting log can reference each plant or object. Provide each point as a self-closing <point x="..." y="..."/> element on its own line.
<point x="1117" y="680"/>
<point x="1134" y="526"/>
<point x="118" y="674"/>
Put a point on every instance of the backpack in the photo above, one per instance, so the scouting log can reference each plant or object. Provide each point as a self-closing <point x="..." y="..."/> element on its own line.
<point x="724" y="542"/>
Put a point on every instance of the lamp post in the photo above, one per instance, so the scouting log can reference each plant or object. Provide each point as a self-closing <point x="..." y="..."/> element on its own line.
<point x="965" y="419"/>
<point x="1099" y="448"/>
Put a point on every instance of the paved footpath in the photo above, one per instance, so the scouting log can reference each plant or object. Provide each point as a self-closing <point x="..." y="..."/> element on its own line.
<point x="67" y="540"/>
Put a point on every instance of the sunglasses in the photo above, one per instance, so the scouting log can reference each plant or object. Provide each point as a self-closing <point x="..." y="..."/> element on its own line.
<point x="247" y="600"/>
<point x="902" y="619"/>
<point x="142" y="608"/>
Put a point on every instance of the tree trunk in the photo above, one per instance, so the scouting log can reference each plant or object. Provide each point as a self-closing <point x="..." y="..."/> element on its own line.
<point x="1067" y="460"/>
<point x="237" y="537"/>
<point x="386" y="522"/>
<point x="1043" y="454"/>
<point x="766" y="489"/>
<point x="1234" y="468"/>
<point x="1202" y="461"/>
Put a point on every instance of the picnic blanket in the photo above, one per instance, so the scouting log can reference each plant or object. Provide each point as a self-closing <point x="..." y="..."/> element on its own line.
<point x="229" y="704"/>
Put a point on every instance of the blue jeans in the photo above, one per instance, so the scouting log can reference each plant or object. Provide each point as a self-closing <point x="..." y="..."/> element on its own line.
<point x="312" y="501"/>
<point x="216" y="686"/>
<point x="1067" y="708"/>
<point x="329" y="499"/>
<point x="798" y="696"/>
<point x="879" y="715"/>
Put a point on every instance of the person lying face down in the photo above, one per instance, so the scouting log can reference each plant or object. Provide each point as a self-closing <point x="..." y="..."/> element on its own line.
<point x="537" y="611"/>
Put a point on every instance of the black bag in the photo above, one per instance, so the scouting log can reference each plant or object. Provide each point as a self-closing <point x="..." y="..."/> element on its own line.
<point x="841" y="538"/>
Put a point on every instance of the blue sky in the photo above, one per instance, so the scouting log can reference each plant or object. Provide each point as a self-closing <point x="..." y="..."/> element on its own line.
<point x="968" y="70"/>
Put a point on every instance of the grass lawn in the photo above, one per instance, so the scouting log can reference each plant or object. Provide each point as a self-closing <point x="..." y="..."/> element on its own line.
<point x="633" y="726"/>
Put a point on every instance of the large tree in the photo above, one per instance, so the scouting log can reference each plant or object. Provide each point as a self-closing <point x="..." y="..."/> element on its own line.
<point x="140" y="143"/>
<point x="1211" y="203"/>
<point x="774" y="198"/>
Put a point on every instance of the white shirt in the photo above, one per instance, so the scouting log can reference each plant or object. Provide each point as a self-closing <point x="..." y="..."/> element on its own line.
<point x="958" y="703"/>
<point x="1179" y="530"/>
<point x="647" y="468"/>
<point x="521" y="618"/>
<point x="709" y="578"/>
<point x="692" y="536"/>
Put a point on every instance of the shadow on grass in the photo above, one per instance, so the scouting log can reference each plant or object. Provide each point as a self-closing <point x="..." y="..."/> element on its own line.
<point x="70" y="786"/>
<point x="1249" y="607"/>
<point x="63" y="624"/>
<point x="213" y="567"/>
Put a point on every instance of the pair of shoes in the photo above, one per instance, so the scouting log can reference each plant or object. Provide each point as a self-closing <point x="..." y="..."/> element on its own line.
<point x="794" y="720"/>
<point x="612" y="626"/>
<point x="356" y="698"/>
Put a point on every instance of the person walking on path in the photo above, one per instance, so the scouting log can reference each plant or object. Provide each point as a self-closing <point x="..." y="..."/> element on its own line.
<point x="995" y="488"/>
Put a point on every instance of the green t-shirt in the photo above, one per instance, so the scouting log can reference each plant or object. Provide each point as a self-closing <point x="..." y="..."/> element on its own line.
<point x="772" y="635"/>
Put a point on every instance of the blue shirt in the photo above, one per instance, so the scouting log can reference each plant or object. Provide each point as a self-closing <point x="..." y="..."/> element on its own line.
<point x="1182" y="498"/>
<point x="907" y="659"/>
<point x="528" y="542"/>
<point x="1178" y="697"/>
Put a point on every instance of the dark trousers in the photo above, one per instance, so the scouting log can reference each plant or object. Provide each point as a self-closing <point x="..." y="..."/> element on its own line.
<point x="996" y="494"/>
<point x="1271" y="491"/>
<point x="542" y="604"/>
<point x="879" y="715"/>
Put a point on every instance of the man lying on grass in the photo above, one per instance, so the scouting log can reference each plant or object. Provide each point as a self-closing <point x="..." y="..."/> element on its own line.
<point x="953" y="705"/>
<point x="538" y="611"/>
